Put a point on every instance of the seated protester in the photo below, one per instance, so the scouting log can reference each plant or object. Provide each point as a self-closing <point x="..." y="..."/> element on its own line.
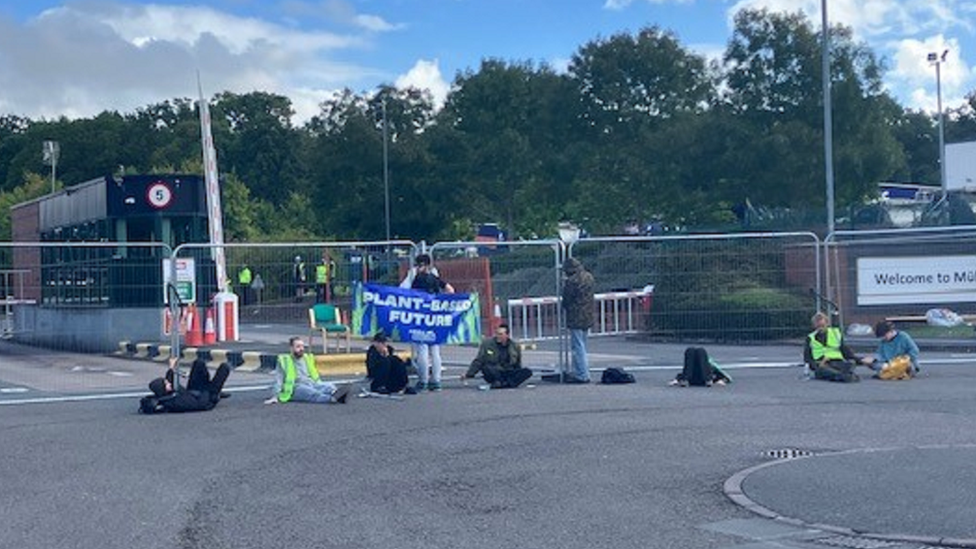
<point x="297" y="379"/>
<point x="825" y="353"/>
<point x="201" y="393"/>
<point x="499" y="360"/>
<point x="700" y="369"/>
<point x="894" y="344"/>
<point x="386" y="371"/>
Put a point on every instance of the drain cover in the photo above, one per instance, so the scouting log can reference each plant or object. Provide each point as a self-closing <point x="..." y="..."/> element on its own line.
<point x="786" y="453"/>
<point x="852" y="542"/>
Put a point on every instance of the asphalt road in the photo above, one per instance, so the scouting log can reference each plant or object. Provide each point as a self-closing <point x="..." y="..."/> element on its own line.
<point x="643" y="465"/>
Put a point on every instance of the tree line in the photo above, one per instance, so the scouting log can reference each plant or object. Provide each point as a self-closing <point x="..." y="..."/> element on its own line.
<point x="639" y="128"/>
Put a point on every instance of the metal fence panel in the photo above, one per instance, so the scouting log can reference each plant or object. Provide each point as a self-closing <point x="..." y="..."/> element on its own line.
<point x="901" y="273"/>
<point x="508" y="276"/>
<point x="80" y="296"/>
<point x="754" y="286"/>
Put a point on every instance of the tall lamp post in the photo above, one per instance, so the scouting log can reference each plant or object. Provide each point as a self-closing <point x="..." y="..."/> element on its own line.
<point x="827" y="119"/>
<point x="386" y="171"/>
<point x="937" y="60"/>
<point x="50" y="152"/>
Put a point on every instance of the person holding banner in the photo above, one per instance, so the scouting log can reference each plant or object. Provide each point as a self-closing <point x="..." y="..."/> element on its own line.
<point x="424" y="277"/>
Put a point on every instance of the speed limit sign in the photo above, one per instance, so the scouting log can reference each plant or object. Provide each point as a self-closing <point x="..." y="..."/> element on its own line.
<point x="160" y="195"/>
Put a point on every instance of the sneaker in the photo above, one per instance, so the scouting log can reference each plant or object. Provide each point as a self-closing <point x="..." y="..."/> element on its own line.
<point x="435" y="386"/>
<point x="420" y="386"/>
<point x="409" y="391"/>
<point x="341" y="394"/>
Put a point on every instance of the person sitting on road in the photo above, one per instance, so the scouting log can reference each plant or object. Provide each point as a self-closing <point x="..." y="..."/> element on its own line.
<point x="499" y="360"/>
<point x="894" y="344"/>
<point x="826" y="354"/>
<point x="201" y="393"/>
<point x="297" y="379"/>
<point x="387" y="372"/>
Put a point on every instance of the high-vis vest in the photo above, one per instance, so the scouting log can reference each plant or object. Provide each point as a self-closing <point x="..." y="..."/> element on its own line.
<point x="322" y="274"/>
<point x="287" y="364"/>
<point x="244" y="277"/>
<point x="830" y="351"/>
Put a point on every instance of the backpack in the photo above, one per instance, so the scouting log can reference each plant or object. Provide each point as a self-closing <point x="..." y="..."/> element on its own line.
<point x="613" y="376"/>
<point x="898" y="368"/>
<point x="697" y="371"/>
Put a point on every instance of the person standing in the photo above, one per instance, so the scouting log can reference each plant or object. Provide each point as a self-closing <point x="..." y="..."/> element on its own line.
<point x="424" y="277"/>
<point x="297" y="379"/>
<point x="578" y="303"/>
<point x="298" y="278"/>
<point x="244" y="279"/>
<point x="499" y="360"/>
<point x="323" y="273"/>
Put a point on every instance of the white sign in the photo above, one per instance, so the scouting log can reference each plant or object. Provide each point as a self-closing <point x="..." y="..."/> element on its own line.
<point x="186" y="280"/>
<point x="916" y="280"/>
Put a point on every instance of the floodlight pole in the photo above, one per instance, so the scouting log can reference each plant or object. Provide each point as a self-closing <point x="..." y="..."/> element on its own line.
<point x="386" y="171"/>
<point x="828" y="122"/>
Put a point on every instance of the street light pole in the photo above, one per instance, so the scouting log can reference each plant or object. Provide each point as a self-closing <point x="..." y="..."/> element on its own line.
<point x="827" y="117"/>
<point x="386" y="171"/>
<point x="938" y="60"/>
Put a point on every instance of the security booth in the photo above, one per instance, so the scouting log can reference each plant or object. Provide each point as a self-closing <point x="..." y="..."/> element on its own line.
<point x="100" y="261"/>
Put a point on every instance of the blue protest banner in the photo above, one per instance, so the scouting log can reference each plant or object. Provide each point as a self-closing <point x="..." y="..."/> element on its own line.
<point x="414" y="316"/>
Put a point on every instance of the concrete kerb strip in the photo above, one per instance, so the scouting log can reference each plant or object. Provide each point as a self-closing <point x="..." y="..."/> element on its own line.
<point x="733" y="490"/>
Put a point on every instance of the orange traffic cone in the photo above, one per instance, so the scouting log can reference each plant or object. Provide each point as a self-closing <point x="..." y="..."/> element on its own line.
<point x="194" y="334"/>
<point x="209" y="332"/>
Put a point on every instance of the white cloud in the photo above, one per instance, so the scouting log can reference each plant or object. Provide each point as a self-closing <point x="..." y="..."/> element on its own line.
<point x="426" y="75"/>
<point x="83" y="58"/>
<point x="616" y="4"/>
<point x="914" y="72"/>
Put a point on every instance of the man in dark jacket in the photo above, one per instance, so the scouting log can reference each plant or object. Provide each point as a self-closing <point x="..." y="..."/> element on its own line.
<point x="387" y="372"/>
<point x="201" y="393"/>
<point x="578" y="304"/>
<point x="500" y="361"/>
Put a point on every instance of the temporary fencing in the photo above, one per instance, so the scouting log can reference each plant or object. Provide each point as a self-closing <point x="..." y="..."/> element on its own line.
<point x="750" y="286"/>
<point x="900" y="274"/>
<point x="504" y="274"/>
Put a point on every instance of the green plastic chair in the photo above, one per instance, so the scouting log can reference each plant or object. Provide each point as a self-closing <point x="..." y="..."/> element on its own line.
<point x="327" y="319"/>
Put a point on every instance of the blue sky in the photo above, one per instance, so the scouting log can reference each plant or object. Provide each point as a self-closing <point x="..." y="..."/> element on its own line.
<point x="79" y="58"/>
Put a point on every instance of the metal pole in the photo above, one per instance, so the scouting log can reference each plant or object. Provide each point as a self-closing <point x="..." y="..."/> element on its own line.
<point x="828" y="123"/>
<point x="386" y="171"/>
<point x="938" y="93"/>
<point x="54" y="169"/>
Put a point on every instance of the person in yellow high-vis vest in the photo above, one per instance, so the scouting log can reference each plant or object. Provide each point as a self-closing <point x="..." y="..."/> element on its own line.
<point x="826" y="354"/>
<point x="297" y="379"/>
<point x="323" y="275"/>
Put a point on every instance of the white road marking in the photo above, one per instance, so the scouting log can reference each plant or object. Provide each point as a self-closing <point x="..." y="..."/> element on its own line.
<point x="9" y="390"/>
<point x="113" y="396"/>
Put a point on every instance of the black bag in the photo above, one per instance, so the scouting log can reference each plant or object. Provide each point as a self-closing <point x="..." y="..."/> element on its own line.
<point x="698" y="370"/>
<point x="612" y="376"/>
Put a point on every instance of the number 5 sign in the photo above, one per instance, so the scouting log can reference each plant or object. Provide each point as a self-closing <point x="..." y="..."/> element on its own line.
<point x="159" y="195"/>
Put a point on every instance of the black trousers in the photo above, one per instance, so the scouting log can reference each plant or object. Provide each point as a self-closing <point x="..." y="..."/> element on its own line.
<point x="506" y="379"/>
<point x="389" y="374"/>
